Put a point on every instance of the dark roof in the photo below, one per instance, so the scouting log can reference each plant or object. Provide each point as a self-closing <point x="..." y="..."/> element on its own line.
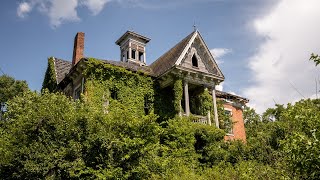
<point x="225" y="95"/>
<point x="129" y="66"/>
<point x="168" y="59"/>
<point x="62" y="68"/>
<point x="128" y="33"/>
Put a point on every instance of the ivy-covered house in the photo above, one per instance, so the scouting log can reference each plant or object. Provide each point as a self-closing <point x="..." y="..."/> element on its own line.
<point x="180" y="82"/>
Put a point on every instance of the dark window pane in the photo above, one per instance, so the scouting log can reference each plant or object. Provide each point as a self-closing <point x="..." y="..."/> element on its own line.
<point x="194" y="61"/>
<point x="141" y="57"/>
<point x="133" y="54"/>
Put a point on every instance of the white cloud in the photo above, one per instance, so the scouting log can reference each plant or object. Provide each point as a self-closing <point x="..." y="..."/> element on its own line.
<point x="219" y="87"/>
<point x="95" y="6"/>
<point x="218" y="53"/>
<point x="23" y="9"/>
<point x="280" y="68"/>
<point x="60" y="11"/>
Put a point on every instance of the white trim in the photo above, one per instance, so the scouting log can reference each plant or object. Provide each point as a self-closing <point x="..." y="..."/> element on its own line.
<point x="184" y="52"/>
<point x="212" y="58"/>
<point x="55" y="71"/>
<point x="228" y="109"/>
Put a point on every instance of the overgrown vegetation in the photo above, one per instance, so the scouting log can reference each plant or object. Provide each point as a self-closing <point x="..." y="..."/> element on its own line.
<point x="50" y="80"/>
<point x="50" y="136"/>
<point x="9" y="88"/>
<point x="121" y="88"/>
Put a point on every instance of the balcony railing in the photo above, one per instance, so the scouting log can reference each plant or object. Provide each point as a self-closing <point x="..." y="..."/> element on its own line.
<point x="198" y="119"/>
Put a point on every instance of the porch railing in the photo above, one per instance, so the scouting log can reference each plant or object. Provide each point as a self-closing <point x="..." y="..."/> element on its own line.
<point x="200" y="119"/>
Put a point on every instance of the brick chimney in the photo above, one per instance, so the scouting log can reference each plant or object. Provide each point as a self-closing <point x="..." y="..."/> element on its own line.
<point x="78" y="48"/>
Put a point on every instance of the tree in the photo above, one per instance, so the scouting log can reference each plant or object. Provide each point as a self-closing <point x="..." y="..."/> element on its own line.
<point x="250" y="116"/>
<point x="301" y="145"/>
<point x="315" y="58"/>
<point x="9" y="88"/>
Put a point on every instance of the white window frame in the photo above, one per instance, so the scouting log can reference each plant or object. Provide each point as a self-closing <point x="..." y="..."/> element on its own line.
<point x="230" y="133"/>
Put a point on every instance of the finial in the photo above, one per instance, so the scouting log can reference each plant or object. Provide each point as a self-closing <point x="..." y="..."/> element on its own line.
<point x="194" y="26"/>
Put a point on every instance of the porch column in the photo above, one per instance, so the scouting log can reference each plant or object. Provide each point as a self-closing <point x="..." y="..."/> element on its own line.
<point x="208" y="116"/>
<point x="186" y="98"/>
<point x="215" y="106"/>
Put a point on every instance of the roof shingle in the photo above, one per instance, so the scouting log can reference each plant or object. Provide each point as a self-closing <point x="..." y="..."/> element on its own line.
<point x="62" y="68"/>
<point x="168" y="59"/>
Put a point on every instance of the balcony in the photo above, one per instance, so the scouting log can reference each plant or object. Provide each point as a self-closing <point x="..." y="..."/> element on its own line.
<point x="198" y="119"/>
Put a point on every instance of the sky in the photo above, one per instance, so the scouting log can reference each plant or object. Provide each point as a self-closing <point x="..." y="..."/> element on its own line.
<point x="261" y="46"/>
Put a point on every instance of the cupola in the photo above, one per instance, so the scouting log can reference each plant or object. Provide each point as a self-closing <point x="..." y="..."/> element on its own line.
<point x="133" y="48"/>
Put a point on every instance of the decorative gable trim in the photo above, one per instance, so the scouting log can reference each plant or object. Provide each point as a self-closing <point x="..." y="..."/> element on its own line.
<point x="212" y="58"/>
<point x="188" y="46"/>
<point x="185" y="50"/>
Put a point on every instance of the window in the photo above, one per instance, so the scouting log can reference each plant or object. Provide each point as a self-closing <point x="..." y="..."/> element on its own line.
<point x="114" y="94"/>
<point x="229" y="124"/>
<point x="194" y="61"/>
<point x="77" y="93"/>
<point x="3" y="109"/>
<point x="133" y="54"/>
<point x="147" y="104"/>
<point x="141" y="57"/>
<point x="127" y="55"/>
<point x="123" y="57"/>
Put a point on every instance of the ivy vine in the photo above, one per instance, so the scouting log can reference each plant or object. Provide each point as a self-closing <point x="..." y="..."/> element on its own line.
<point x="50" y="81"/>
<point x="178" y="92"/>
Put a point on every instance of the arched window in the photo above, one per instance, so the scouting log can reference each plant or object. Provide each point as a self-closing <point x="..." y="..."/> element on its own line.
<point x="194" y="61"/>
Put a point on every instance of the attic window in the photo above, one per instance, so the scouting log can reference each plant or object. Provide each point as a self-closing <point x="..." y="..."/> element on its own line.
<point x="194" y="61"/>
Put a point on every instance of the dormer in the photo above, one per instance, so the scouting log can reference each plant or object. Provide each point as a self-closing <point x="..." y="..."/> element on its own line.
<point x="133" y="48"/>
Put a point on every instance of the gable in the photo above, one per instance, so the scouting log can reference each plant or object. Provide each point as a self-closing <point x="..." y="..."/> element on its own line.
<point x="168" y="59"/>
<point x="205" y="61"/>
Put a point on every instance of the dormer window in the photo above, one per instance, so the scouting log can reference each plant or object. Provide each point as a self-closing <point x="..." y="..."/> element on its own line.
<point x="194" y="61"/>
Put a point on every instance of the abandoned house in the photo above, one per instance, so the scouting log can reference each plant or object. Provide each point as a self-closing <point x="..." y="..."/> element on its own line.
<point x="180" y="82"/>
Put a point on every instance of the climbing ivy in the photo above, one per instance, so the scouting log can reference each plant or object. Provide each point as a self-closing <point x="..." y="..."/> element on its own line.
<point x="50" y="81"/>
<point x="201" y="103"/>
<point x="107" y="84"/>
<point x="225" y="121"/>
<point x="178" y="91"/>
<point x="163" y="104"/>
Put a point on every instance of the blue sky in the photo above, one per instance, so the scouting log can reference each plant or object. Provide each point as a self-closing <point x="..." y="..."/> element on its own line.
<point x="242" y="34"/>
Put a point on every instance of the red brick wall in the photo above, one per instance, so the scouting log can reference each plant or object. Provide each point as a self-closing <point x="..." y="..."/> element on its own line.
<point x="78" y="48"/>
<point x="238" y="126"/>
